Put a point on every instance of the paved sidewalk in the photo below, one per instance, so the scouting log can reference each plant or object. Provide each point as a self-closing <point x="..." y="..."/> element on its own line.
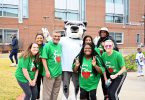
<point x="132" y="89"/>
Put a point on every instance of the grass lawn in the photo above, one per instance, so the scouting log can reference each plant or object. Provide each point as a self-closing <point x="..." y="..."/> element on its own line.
<point x="9" y="88"/>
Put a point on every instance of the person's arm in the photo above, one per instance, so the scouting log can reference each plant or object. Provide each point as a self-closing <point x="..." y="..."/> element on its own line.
<point x="76" y="65"/>
<point x="26" y="74"/>
<point x="121" y="64"/>
<point x="13" y="42"/>
<point x="123" y="69"/>
<point x="96" y="66"/>
<point x="46" y="68"/>
<point x="35" y="78"/>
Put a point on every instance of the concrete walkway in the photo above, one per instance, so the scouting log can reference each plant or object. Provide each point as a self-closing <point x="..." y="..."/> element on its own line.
<point x="132" y="89"/>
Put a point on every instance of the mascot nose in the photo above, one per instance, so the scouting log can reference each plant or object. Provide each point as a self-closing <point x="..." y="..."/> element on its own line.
<point x="74" y="27"/>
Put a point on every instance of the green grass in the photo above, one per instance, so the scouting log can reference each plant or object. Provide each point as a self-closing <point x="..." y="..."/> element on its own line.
<point x="9" y="88"/>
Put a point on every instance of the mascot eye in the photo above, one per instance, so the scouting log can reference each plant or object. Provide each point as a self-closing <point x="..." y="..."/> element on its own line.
<point x="68" y="24"/>
<point x="80" y="24"/>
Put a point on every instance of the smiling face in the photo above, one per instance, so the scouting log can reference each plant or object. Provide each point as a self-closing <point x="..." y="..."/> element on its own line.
<point x="88" y="40"/>
<point x="39" y="39"/>
<point x="103" y="33"/>
<point x="34" y="48"/>
<point x="87" y="50"/>
<point x="108" y="46"/>
<point x="56" y="37"/>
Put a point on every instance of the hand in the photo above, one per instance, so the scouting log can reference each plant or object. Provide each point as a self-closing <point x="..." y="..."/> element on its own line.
<point x="113" y="76"/>
<point x="33" y="83"/>
<point x="48" y="74"/>
<point x="77" y="63"/>
<point x="107" y="82"/>
<point x="94" y="61"/>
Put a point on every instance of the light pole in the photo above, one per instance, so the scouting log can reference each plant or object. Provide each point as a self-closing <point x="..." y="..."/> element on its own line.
<point x="45" y="19"/>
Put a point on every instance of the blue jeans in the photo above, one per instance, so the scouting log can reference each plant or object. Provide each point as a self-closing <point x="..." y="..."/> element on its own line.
<point x="14" y="53"/>
<point x="30" y="91"/>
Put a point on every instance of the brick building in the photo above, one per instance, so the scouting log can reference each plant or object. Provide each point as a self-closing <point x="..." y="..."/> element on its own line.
<point x="124" y="18"/>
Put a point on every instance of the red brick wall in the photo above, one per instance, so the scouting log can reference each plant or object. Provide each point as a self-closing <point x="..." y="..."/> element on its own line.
<point x="95" y="16"/>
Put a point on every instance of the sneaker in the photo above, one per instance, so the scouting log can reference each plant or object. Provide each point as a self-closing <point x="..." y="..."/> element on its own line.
<point x="13" y="65"/>
<point x="138" y="75"/>
<point x="142" y="74"/>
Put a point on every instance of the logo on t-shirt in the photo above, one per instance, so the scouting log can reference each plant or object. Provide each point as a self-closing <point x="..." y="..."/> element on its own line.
<point x="85" y="72"/>
<point x="57" y="56"/>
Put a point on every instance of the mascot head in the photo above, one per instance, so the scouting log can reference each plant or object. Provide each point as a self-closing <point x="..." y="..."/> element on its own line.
<point x="75" y="29"/>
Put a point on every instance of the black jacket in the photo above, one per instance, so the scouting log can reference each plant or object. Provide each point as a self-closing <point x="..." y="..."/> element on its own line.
<point x="107" y="38"/>
<point x="15" y="43"/>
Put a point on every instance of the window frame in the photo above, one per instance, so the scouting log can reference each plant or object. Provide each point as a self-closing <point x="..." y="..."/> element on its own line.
<point x="114" y="37"/>
<point x="80" y="16"/>
<point x="3" y="34"/>
<point x="124" y="17"/>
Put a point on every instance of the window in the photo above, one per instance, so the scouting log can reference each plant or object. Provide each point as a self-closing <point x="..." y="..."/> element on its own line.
<point x="70" y="9"/>
<point x="117" y="11"/>
<point x="138" y="39"/>
<point x="5" y="35"/>
<point x="118" y="37"/>
<point x="8" y="8"/>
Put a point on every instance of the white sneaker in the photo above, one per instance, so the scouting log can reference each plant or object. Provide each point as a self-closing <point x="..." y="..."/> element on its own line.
<point x="13" y="65"/>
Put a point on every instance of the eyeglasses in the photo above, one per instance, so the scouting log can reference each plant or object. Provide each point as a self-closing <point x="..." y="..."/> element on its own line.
<point x="108" y="46"/>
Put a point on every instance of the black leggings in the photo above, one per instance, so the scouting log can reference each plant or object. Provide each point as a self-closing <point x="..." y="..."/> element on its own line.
<point x="115" y="86"/>
<point x="38" y="82"/>
<point x="87" y="95"/>
<point x="104" y="88"/>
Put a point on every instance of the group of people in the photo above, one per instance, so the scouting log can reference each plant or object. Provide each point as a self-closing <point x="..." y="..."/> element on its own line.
<point x="42" y="63"/>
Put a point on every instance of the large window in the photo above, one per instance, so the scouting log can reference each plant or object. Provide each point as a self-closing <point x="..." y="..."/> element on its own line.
<point x="70" y="9"/>
<point x="118" y="37"/>
<point x="8" y="8"/>
<point x="117" y="11"/>
<point x="5" y="35"/>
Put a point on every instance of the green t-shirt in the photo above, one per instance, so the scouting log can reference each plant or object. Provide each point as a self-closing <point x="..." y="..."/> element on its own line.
<point x="52" y="53"/>
<point x="29" y="65"/>
<point x="113" y="62"/>
<point x="87" y="79"/>
<point x="40" y="64"/>
<point x="98" y="51"/>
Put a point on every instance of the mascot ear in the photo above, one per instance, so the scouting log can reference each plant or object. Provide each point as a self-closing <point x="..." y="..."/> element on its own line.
<point x="85" y="23"/>
<point x="65" y="22"/>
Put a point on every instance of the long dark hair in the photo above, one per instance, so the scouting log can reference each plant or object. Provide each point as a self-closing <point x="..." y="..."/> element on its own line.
<point x="28" y="53"/>
<point x="81" y="55"/>
<point x="84" y="39"/>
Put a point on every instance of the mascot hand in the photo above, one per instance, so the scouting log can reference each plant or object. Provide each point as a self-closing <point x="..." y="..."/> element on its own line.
<point x="46" y="34"/>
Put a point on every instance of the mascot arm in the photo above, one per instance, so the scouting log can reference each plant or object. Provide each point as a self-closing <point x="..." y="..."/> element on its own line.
<point x="46" y="34"/>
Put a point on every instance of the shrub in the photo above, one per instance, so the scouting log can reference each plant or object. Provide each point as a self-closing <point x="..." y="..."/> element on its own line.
<point x="131" y="62"/>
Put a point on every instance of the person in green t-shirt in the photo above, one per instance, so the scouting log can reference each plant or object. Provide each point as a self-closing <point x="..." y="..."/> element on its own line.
<point x="27" y="71"/>
<point x="39" y="38"/>
<point x="51" y="59"/>
<point x="89" y="67"/>
<point x="103" y="36"/>
<point x="115" y="65"/>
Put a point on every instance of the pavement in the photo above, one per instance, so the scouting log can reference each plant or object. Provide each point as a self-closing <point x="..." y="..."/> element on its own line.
<point x="132" y="89"/>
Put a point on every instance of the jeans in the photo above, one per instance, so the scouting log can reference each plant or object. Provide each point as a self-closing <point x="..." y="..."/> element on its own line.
<point x="30" y="91"/>
<point x="14" y="53"/>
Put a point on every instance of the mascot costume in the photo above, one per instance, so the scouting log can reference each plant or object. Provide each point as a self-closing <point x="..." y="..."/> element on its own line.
<point x="71" y="46"/>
